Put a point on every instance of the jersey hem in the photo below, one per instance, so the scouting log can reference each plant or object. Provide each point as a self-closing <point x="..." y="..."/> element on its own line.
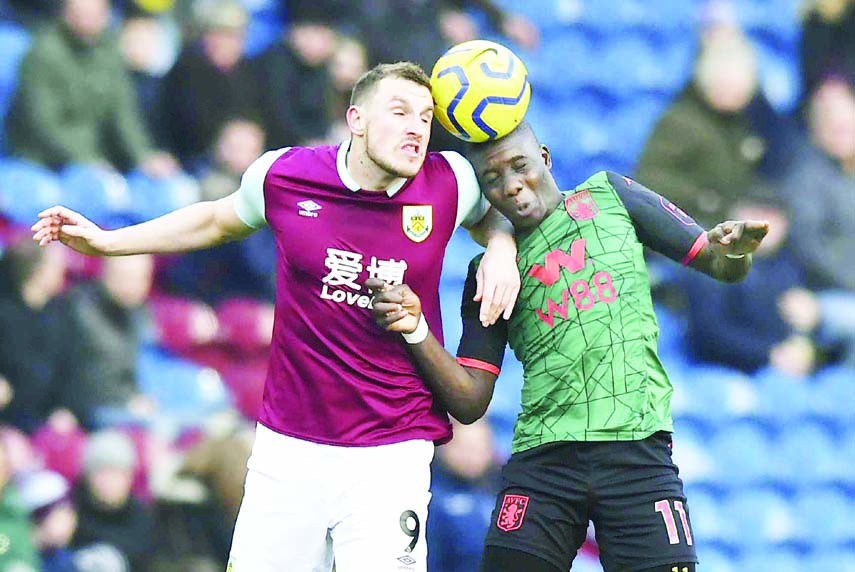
<point x="438" y="440"/>
<point x="591" y="436"/>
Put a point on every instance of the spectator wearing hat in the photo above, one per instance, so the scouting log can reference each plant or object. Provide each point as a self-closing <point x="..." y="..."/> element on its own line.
<point x="16" y="532"/>
<point x="108" y="513"/>
<point x="210" y="83"/>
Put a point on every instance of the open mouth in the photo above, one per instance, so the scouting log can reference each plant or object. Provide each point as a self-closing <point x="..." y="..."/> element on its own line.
<point x="411" y="149"/>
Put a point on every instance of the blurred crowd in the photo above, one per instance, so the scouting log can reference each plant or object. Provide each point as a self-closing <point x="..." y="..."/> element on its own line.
<point x="128" y="386"/>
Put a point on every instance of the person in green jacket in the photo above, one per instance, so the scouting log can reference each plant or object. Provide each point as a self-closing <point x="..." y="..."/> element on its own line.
<point x="75" y="102"/>
<point x="17" y="552"/>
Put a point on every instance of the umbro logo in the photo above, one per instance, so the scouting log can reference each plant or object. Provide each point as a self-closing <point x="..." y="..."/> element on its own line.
<point x="309" y="208"/>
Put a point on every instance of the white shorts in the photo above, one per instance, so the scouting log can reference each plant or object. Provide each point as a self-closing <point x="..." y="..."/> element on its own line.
<point x="306" y="505"/>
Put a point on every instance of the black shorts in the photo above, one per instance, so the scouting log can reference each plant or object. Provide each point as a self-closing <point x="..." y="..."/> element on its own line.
<point x="630" y="490"/>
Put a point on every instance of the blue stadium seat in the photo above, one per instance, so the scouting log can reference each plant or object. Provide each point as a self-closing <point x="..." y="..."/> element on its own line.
<point x="184" y="391"/>
<point x="26" y="189"/>
<point x="783" y="397"/>
<point x="715" y="393"/>
<point x="805" y="452"/>
<point x="14" y="43"/>
<point x="263" y="31"/>
<point x="760" y="517"/>
<point x="714" y="558"/>
<point x="779" y="78"/>
<point x="824" y="516"/>
<point x="709" y="523"/>
<point x="98" y="191"/>
<point x="832" y="390"/>
<point x="742" y="454"/>
<point x="564" y="61"/>
<point x="692" y="453"/>
<point x="837" y="559"/>
<point x="631" y="125"/>
<point x="151" y="198"/>
<point x="777" y="559"/>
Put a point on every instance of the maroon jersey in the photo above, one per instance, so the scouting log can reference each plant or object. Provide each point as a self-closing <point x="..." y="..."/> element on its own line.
<point x="334" y="376"/>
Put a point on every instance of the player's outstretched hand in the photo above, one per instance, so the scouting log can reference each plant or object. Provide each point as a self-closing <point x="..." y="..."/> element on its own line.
<point x="738" y="236"/>
<point x="72" y="229"/>
<point x="395" y="308"/>
<point x="497" y="284"/>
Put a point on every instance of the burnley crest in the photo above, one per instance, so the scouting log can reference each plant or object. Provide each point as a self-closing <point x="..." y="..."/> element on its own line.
<point x="417" y="221"/>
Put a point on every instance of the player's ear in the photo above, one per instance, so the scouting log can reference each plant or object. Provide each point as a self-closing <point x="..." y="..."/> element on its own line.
<point x="547" y="156"/>
<point x="356" y="120"/>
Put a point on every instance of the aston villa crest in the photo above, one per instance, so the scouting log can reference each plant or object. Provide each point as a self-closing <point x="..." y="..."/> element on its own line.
<point x="581" y="206"/>
<point x="417" y="222"/>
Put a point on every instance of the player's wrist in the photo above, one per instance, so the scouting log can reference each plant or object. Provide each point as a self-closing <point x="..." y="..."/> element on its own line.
<point x="419" y="334"/>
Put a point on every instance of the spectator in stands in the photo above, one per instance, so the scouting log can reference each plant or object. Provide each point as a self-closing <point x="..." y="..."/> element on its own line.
<point x="464" y="490"/>
<point x="46" y="496"/>
<point x="209" y="84"/>
<point x="347" y="63"/>
<point x="237" y="268"/>
<point x="770" y="318"/>
<point x="703" y="153"/>
<point x="827" y="41"/>
<point x="75" y="102"/>
<point x="239" y="142"/>
<point x="820" y="188"/>
<point x="35" y="328"/>
<point x="108" y="316"/>
<point x="141" y="40"/>
<point x="20" y="554"/>
<point x="294" y="79"/>
<point x="108" y="513"/>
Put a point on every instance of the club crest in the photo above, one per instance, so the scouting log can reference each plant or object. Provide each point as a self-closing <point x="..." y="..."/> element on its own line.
<point x="581" y="206"/>
<point x="512" y="512"/>
<point x="417" y="222"/>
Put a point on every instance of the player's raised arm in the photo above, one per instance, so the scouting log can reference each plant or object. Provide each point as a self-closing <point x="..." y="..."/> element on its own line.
<point x="196" y="226"/>
<point x="465" y="391"/>
<point x="723" y="252"/>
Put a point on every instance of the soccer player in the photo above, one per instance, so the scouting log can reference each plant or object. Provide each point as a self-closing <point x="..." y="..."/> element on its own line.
<point x="593" y="440"/>
<point x="340" y="464"/>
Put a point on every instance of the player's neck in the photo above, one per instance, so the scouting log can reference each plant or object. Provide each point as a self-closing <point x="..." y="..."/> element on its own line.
<point x="365" y="172"/>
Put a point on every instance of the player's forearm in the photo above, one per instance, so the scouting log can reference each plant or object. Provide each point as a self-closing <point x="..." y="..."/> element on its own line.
<point x="190" y="228"/>
<point x="465" y="396"/>
<point x="493" y="228"/>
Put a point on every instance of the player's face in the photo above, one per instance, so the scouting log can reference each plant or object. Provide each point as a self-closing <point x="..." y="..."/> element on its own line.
<point x="398" y="120"/>
<point x="514" y="176"/>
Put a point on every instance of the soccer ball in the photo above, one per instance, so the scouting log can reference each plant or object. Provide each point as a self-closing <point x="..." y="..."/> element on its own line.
<point x="480" y="90"/>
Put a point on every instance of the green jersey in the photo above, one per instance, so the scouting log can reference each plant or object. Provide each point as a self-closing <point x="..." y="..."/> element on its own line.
<point x="584" y="327"/>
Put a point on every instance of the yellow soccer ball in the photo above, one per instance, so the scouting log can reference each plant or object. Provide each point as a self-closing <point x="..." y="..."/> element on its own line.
<point x="480" y="90"/>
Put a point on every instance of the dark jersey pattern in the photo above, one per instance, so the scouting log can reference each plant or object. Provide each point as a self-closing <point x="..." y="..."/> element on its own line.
<point x="584" y="326"/>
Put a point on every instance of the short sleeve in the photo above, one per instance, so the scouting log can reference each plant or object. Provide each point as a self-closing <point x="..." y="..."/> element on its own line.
<point x="471" y="204"/>
<point x="249" y="203"/>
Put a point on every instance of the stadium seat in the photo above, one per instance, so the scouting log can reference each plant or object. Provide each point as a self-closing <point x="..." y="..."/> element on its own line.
<point x="184" y="392"/>
<point x="760" y="517"/>
<point x="714" y="558"/>
<point x="709" y="524"/>
<point x="460" y="251"/>
<point x="715" y="393"/>
<point x="240" y="321"/>
<point x="784" y="397"/>
<point x="825" y="516"/>
<point x="779" y="78"/>
<point x="742" y="453"/>
<point x="692" y="453"/>
<point x="26" y="189"/>
<point x="777" y="559"/>
<point x="830" y="390"/>
<point x="805" y="452"/>
<point x="96" y="190"/>
<point x="151" y="198"/>
<point x="837" y="559"/>
<point x="177" y="322"/>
